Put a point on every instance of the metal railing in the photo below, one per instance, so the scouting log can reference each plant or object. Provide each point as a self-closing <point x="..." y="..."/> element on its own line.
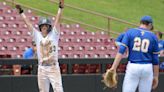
<point x="109" y="19"/>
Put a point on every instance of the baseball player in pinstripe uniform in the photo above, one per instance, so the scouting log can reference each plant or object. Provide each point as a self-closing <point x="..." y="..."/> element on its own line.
<point x="46" y="39"/>
<point x="142" y="69"/>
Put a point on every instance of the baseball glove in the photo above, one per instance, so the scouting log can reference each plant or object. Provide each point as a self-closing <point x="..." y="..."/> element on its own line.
<point x="110" y="79"/>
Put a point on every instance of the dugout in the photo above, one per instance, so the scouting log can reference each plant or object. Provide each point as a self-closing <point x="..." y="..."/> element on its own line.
<point x="71" y="82"/>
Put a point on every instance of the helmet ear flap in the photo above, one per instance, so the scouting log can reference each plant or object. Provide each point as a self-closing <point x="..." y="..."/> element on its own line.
<point x="49" y="29"/>
<point x="39" y="27"/>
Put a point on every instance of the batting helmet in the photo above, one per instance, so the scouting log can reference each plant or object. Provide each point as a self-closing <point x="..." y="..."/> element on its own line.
<point x="45" y="21"/>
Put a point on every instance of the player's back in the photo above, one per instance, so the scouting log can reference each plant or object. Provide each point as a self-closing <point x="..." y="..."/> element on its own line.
<point x="141" y="44"/>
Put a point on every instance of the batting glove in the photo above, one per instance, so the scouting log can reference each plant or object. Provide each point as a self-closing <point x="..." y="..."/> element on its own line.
<point x="61" y="5"/>
<point x="19" y="9"/>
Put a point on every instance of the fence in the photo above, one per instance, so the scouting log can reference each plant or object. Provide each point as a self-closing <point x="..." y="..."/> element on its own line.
<point x="71" y="82"/>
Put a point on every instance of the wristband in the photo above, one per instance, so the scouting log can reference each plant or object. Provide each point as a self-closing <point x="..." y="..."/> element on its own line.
<point x="21" y="11"/>
<point x="23" y="15"/>
<point x="45" y="59"/>
<point x="59" y="10"/>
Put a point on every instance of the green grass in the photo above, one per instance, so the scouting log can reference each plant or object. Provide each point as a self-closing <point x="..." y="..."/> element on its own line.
<point x="129" y="10"/>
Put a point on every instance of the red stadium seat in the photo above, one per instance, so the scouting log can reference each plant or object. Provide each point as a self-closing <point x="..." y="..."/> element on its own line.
<point x="2" y="18"/>
<point x="2" y="40"/>
<point x="18" y="18"/>
<point x="78" y="69"/>
<point x="101" y="48"/>
<point x="10" y="18"/>
<point x="121" y="68"/>
<point x="3" y="25"/>
<point x="89" y="54"/>
<point x="3" y="4"/>
<point x="12" y="39"/>
<point x="34" y="19"/>
<point x="16" y="55"/>
<point x="108" y="66"/>
<point x="24" y="39"/>
<point x="74" y="42"/>
<point x="17" y="33"/>
<point x="93" y="68"/>
<point x="63" y="68"/>
<point x="3" y="48"/>
<point x="78" y="54"/>
<point x="1" y="11"/>
<point x="6" y="33"/>
<point x="9" y="11"/>
<point x="65" y="54"/>
<point x="13" y="48"/>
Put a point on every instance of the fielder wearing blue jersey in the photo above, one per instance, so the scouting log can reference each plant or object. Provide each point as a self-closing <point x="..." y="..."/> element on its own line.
<point x="142" y="70"/>
<point x="119" y="39"/>
<point x="161" y="45"/>
<point x="30" y="53"/>
<point x="160" y="42"/>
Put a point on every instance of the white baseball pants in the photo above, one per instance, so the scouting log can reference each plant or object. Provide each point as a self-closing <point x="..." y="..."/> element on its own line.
<point x="52" y="76"/>
<point x="138" y="75"/>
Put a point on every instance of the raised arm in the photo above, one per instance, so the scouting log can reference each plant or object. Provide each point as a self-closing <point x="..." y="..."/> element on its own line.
<point x="59" y="13"/>
<point x="21" y="12"/>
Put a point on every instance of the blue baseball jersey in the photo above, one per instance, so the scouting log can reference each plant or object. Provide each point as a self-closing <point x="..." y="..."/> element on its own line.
<point x="161" y="45"/>
<point x="119" y="39"/>
<point x="161" y="66"/>
<point x="28" y="54"/>
<point x="142" y="45"/>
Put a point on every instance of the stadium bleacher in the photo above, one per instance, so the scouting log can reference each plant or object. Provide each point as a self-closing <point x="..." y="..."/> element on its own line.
<point x="75" y="41"/>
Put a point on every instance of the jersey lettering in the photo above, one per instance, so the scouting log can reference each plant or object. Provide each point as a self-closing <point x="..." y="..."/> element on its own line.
<point x="141" y="44"/>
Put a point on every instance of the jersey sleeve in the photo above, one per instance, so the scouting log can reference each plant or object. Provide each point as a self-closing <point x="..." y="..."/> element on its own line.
<point x="155" y="52"/>
<point x="35" y="34"/>
<point x="124" y="43"/>
<point x="120" y="37"/>
<point x="25" y="55"/>
<point x="56" y="32"/>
